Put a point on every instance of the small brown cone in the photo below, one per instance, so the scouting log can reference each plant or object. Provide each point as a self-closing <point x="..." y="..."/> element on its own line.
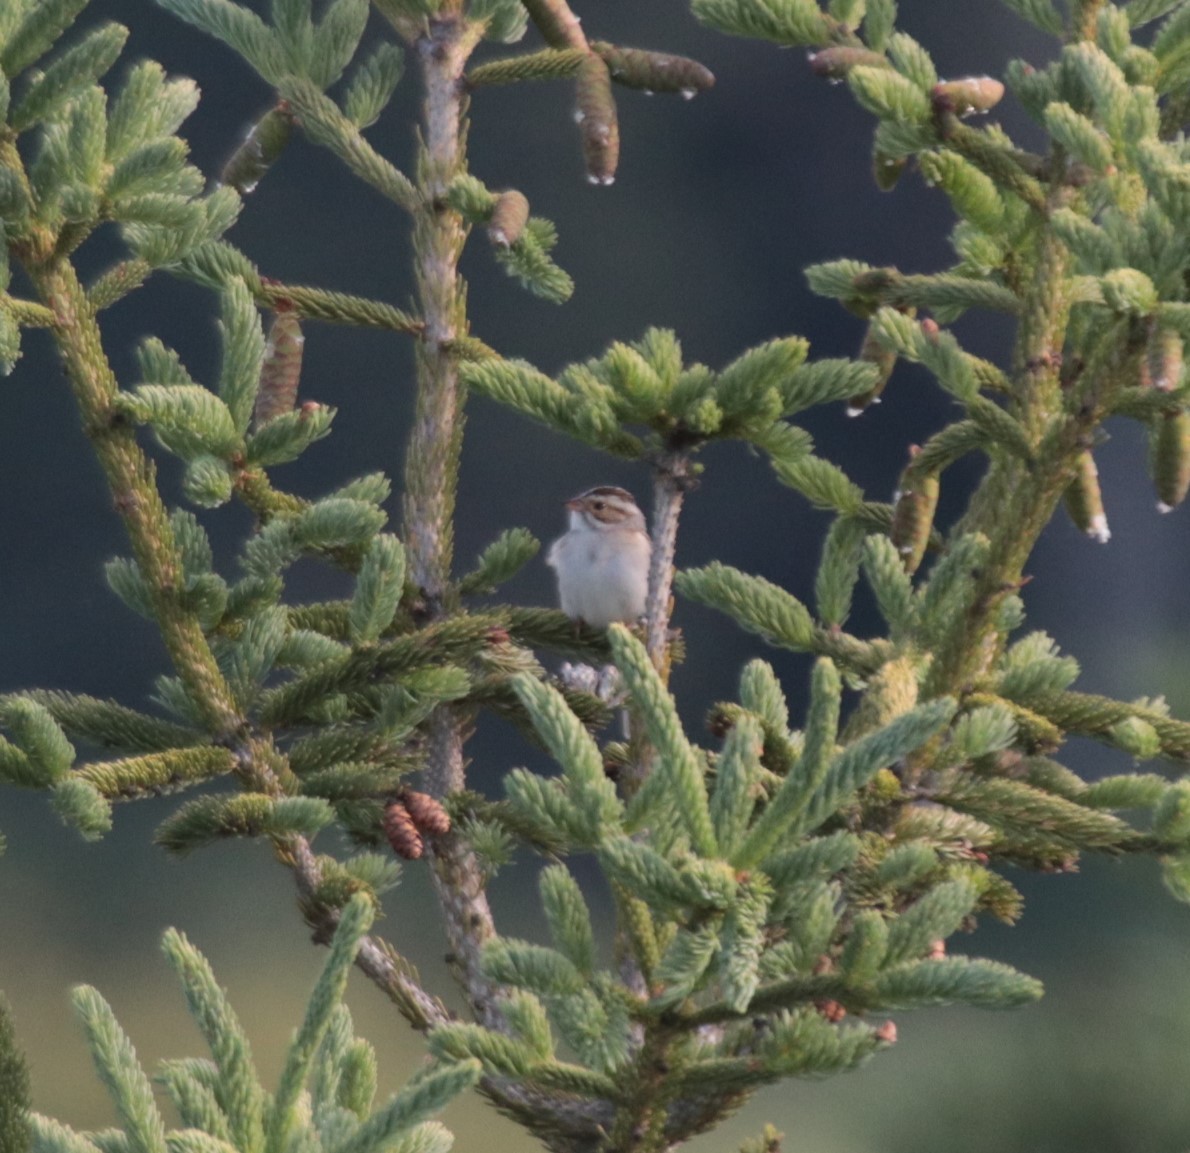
<point x="401" y="832"/>
<point x="427" y="814"/>
<point x="832" y="1011"/>
<point x="282" y="367"/>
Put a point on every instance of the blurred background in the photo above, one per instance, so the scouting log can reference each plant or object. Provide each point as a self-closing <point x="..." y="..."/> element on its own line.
<point x="718" y="206"/>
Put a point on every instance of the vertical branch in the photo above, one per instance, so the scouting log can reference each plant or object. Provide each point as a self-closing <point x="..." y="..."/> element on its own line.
<point x="1084" y="16"/>
<point x="1016" y="500"/>
<point x="671" y="481"/>
<point x="432" y="464"/>
<point x="131" y="478"/>
<point x="431" y="470"/>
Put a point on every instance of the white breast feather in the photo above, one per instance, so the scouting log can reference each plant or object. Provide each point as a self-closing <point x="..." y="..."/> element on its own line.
<point x="602" y="576"/>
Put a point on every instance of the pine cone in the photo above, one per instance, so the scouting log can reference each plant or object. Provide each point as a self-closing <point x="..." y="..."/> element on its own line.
<point x="401" y="832"/>
<point x="428" y="814"/>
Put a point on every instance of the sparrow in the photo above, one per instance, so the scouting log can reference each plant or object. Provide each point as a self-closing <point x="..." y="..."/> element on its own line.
<point x="602" y="560"/>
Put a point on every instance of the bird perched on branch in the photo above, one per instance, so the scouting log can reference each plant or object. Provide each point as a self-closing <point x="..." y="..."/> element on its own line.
<point x="602" y="561"/>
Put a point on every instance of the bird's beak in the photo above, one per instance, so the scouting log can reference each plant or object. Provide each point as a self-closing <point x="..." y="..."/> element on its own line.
<point x="574" y="504"/>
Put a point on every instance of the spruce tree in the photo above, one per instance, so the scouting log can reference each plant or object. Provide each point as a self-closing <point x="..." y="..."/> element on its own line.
<point x="781" y="889"/>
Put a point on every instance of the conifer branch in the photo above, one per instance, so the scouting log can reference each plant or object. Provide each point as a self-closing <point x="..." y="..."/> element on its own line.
<point x="337" y="307"/>
<point x="1096" y="716"/>
<point x="765" y="887"/>
<point x="14" y="1088"/>
<point x="27" y="313"/>
<point x="549" y="64"/>
<point x="671" y="481"/>
<point x="131" y="479"/>
<point x="118" y="281"/>
<point x="431" y="471"/>
<point x="1016" y="500"/>
<point x="376" y="959"/>
<point x="324" y="124"/>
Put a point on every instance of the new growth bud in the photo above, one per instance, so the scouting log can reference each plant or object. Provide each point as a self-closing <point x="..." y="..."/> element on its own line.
<point x="832" y="1011"/>
<point x="835" y="62"/>
<point x="1171" y="459"/>
<point x="282" y="367"/>
<point x="886" y="170"/>
<point x="654" y="71"/>
<point x="265" y="142"/>
<point x="508" y="219"/>
<point x="913" y="512"/>
<point x="1084" y="502"/>
<point x="1163" y="359"/>
<point x="885" y="360"/>
<point x="968" y="96"/>
<point x="598" y="126"/>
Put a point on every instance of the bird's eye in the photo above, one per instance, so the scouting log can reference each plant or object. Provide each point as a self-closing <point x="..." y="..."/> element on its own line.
<point x="598" y="506"/>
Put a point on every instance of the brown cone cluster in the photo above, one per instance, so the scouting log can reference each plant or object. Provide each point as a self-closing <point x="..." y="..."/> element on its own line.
<point x="411" y="818"/>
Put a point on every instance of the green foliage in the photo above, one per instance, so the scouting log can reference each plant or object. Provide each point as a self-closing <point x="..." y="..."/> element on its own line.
<point x="81" y="805"/>
<point x="504" y="20"/>
<point x="789" y="803"/>
<point x="501" y="560"/>
<point x="326" y="125"/>
<point x="379" y="585"/>
<point x="756" y="604"/>
<point x="679" y="774"/>
<point x="41" y="755"/>
<point x="1040" y="12"/>
<point x="221" y="1101"/>
<point x="373" y="84"/>
<point x="527" y="259"/>
<point x="760" y="888"/>
<point x="737" y="780"/>
<point x="838" y="571"/>
<point x="644" y="383"/>
<point x="569" y="918"/>
<point x="72" y="73"/>
<point x="790" y="22"/>
<point x="587" y="787"/>
<point x="239" y="28"/>
<point x="33" y="29"/>
<point x="285" y="437"/>
<point x="208" y="819"/>
<point x="14" y="1089"/>
<point x="520" y="386"/>
<point x="243" y="354"/>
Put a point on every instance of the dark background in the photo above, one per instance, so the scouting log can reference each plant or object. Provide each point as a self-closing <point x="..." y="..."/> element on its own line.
<point x="718" y="206"/>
